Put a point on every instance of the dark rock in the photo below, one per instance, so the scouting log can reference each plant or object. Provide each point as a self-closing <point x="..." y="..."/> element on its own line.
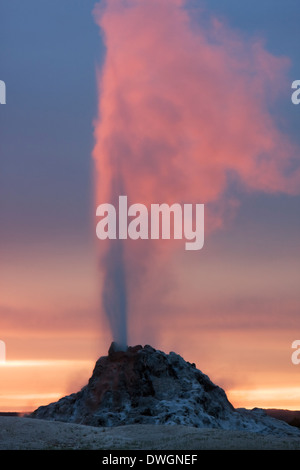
<point x="147" y="386"/>
<point x="115" y="347"/>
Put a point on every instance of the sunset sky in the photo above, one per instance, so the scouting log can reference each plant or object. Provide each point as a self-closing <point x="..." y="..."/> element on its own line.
<point x="190" y="104"/>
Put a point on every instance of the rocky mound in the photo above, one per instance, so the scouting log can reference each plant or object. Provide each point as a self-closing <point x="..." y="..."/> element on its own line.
<point x="145" y="386"/>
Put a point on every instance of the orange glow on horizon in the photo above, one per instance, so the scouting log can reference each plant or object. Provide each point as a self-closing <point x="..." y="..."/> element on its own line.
<point x="28" y="384"/>
<point x="285" y="398"/>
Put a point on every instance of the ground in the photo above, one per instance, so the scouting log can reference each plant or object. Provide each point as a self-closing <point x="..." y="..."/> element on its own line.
<point x="27" y="433"/>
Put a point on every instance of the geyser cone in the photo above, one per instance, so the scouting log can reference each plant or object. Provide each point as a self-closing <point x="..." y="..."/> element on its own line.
<point x="146" y="386"/>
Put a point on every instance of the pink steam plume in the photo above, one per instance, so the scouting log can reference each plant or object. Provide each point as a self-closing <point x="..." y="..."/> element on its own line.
<point x="183" y="108"/>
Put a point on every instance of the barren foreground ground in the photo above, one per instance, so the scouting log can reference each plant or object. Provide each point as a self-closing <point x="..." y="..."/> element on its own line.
<point x="27" y="433"/>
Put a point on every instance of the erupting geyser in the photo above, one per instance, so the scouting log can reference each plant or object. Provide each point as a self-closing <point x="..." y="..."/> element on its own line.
<point x="183" y="110"/>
